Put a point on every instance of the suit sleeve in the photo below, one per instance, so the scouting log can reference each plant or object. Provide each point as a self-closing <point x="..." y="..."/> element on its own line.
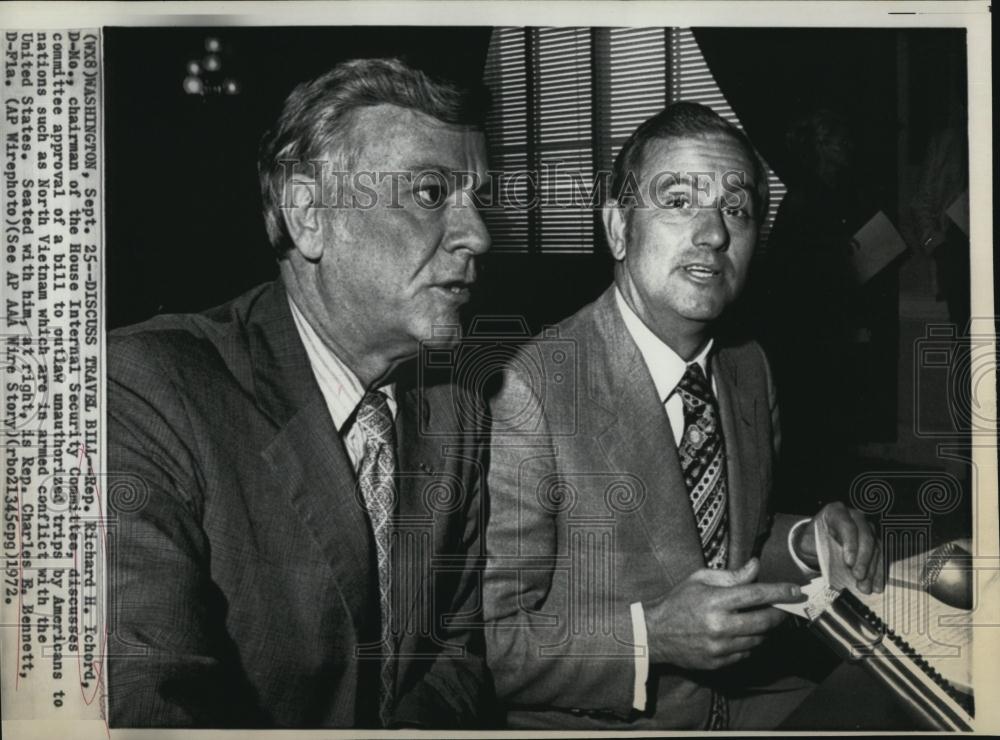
<point x="777" y="564"/>
<point x="545" y="646"/>
<point x="455" y="691"/>
<point x="167" y="662"/>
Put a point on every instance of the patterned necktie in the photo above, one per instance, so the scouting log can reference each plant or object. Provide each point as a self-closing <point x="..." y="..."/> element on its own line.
<point x="703" y="461"/>
<point x="375" y="476"/>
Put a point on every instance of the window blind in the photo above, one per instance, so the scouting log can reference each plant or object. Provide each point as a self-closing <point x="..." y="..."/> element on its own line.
<point x="637" y="80"/>
<point x="564" y="101"/>
<point x="506" y="75"/>
<point x="564" y="138"/>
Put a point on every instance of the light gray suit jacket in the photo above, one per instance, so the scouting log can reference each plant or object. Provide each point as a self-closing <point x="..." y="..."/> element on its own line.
<point x="589" y="513"/>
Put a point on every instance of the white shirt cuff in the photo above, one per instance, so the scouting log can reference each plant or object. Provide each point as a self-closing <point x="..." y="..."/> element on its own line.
<point x="806" y="570"/>
<point x="640" y="640"/>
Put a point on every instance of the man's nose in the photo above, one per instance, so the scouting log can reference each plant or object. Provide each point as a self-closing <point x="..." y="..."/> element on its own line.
<point x="466" y="229"/>
<point x="710" y="229"/>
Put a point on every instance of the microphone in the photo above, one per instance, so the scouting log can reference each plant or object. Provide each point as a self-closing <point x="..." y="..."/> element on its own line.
<point x="947" y="575"/>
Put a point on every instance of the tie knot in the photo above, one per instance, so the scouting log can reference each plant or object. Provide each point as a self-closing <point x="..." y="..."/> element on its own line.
<point x="374" y="417"/>
<point x="695" y="384"/>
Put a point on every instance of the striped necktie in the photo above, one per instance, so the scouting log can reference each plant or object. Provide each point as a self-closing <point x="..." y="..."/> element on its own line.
<point x="376" y="479"/>
<point x="702" y="455"/>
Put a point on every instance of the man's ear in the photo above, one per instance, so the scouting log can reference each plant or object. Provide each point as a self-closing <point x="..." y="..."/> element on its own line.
<point x="615" y="217"/>
<point x="301" y="211"/>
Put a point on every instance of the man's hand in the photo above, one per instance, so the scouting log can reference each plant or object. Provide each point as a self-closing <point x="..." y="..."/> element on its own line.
<point x="715" y="617"/>
<point x="862" y="550"/>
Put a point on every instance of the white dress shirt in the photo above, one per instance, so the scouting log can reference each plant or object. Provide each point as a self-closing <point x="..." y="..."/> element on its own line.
<point x="667" y="368"/>
<point x="340" y="386"/>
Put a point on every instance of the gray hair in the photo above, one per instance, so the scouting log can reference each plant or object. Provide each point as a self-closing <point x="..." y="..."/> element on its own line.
<point x="316" y="122"/>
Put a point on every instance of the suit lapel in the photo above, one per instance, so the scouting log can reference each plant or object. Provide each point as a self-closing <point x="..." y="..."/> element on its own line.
<point x="420" y="455"/>
<point x="638" y="440"/>
<point x="306" y="456"/>
<point x="737" y="411"/>
<point x="415" y="527"/>
<point x="311" y="466"/>
<point x="430" y="492"/>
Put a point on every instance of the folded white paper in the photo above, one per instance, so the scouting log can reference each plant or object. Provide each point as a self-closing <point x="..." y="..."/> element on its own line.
<point x="958" y="212"/>
<point x="876" y="244"/>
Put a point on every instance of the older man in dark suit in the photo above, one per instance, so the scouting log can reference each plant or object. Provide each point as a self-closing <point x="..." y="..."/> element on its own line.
<point x="633" y="558"/>
<point x="303" y="542"/>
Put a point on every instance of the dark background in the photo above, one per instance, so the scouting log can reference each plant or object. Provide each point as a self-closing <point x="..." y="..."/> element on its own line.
<point x="184" y="223"/>
<point x="184" y="229"/>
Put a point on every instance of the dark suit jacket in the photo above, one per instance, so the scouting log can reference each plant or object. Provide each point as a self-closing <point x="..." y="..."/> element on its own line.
<point x="242" y="576"/>
<point x="589" y="513"/>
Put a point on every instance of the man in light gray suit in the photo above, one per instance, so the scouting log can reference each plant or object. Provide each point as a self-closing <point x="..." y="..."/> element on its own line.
<point x="633" y="559"/>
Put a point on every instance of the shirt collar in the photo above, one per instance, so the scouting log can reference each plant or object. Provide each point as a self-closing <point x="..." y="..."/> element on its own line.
<point x="340" y="386"/>
<point x="666" y="366"/>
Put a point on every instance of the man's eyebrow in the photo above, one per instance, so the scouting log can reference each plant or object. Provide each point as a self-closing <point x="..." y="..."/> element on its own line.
<point x="436" y="167"/>
<point x="741" y="185"/>
<point x="453" y="177"/>
<point x="671" y="178"/>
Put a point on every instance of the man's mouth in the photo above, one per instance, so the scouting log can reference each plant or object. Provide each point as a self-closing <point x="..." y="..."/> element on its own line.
<point x="702" y="272"/>
<point x="458" y="289"/>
